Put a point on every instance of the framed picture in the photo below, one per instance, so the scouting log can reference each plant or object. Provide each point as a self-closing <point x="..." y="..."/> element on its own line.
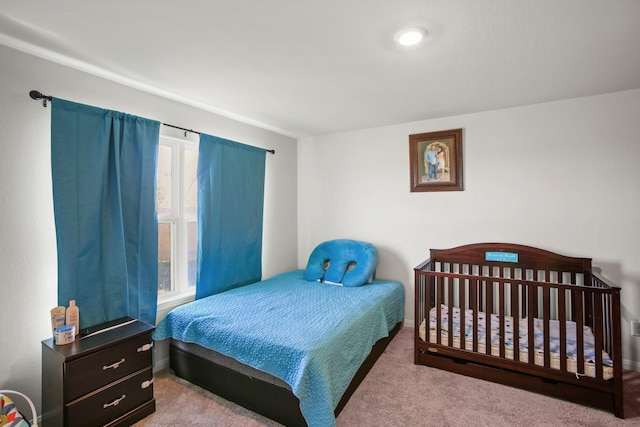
<point x="436" y="161"/>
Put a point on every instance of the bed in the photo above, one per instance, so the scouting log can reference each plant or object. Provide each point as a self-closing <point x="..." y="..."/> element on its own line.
<point x="293" y="347"/>
<point x="501" y="312"/>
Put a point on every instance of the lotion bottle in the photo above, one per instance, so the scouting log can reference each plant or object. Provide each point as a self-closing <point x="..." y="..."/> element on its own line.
<point x="57" y="317"/>
<point x="73" y="315"/>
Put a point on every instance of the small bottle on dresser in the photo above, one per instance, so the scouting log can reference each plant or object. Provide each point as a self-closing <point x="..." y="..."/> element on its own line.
<point x="73" y="315"/>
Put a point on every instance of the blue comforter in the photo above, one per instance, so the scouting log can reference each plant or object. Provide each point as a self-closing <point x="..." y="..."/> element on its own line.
<point x="312" y="335"/>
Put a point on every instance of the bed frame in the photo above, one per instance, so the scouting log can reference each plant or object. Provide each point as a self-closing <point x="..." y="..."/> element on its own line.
<point x="263" y="397"/>
<point x="521" y="282"/>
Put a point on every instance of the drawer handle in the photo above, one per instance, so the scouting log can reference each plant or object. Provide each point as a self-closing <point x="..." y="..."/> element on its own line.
<point x="145" y="347"/>
<point x="146" y="384"/>
<point x="115" y="402"/>
<point x="114" y="366"/>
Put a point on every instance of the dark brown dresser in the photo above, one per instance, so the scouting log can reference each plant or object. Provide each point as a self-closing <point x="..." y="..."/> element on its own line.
<point x="105" y="379"/>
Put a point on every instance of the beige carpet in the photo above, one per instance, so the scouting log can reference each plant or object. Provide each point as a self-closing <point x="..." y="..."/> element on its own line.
<point x="398" y="393"/>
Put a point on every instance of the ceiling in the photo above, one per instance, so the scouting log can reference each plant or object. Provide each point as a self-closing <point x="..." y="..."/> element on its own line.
<point x="304" y="68"/>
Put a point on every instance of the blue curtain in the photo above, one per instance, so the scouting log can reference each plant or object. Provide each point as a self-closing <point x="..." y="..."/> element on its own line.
<point x="104" y="192"/>
<point x="230" y="208"/>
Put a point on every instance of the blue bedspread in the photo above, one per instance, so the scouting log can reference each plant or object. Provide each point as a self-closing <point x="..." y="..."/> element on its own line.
<point x="312" y="335"/>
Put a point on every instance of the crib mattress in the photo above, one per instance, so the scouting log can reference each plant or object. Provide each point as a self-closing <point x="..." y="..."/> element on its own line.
<point x="554" y="326"/>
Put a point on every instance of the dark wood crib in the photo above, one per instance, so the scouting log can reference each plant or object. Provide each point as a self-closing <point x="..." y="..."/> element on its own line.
<point x="516" y="304"/>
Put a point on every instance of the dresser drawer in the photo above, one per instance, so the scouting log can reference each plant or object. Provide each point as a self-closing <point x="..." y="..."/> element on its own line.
<point x="98" y="369"/>
<point x="109" y="403"/>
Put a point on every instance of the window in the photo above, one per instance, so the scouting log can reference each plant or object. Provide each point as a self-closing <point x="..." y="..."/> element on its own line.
<point x="177" y="202"/>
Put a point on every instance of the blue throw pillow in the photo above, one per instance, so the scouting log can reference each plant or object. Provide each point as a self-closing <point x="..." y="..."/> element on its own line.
<point x="342" y="261"/>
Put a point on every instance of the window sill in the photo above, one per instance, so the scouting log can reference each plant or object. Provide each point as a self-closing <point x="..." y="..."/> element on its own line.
<point x="170" y="302"/>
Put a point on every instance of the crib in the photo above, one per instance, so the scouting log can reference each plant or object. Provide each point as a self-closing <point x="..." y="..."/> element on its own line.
<point x="523" y="317"/>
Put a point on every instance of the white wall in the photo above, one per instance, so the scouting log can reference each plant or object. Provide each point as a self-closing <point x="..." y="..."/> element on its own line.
<point x="562" y="176"/>
<point x="28" y="264"/>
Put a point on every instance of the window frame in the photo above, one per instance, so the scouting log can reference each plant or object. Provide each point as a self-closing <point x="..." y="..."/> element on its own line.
<point x="178" y="219"/>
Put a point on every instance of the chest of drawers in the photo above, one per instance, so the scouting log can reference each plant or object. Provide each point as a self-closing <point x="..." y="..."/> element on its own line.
<point x="101" y="380"/>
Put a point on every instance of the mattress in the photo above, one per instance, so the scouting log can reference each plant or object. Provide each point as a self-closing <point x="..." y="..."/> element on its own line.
<point x="589" y="368"/>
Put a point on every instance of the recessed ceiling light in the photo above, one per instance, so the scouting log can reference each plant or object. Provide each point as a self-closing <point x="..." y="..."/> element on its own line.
<point x="410" y="36"/>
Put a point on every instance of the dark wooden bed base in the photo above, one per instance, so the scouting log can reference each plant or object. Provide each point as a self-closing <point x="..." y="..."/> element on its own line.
<point x="272" y="401"/>
<point x="539" y="284"/>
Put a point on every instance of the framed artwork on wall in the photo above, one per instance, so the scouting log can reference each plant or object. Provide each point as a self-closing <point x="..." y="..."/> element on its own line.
<point x="435" y="160"/>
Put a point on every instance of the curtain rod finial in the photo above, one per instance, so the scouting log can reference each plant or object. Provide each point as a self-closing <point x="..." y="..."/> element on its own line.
<point x="36" y="94"/>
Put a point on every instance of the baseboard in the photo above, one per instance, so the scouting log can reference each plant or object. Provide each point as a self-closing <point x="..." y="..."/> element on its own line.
<point x="631" y="364"/>
<point x="161" y="365"/>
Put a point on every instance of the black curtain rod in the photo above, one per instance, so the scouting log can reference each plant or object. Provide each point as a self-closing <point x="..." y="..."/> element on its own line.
<point x="35" y="94"/>
<point x="195" y="131"/>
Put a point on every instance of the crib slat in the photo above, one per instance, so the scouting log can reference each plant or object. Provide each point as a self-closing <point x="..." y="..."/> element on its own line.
<point x="481" y="292"/>
<point x="438" y="325"/>
<point x="501" y="313"/>
<point x="515" y="313"/>
<point x="562" y="318"/>
<point x="607" y="323"/>
<point x="473" y="304"/>
<point x="589" y="309"/>
<point x="546" y="302"/>
<point x="597" y="331"/>
<point x="608" y="327"/>
<point x="428" y="303"/>
<point x="524" y="294"/>
<point x="462" y="305"/>
<point x="449" y="287"/>
<point x="574" y="312"/>
<point x="534" y="301"/>
<point x="488" y="310"/>
<point x="530" y="324"/>
<point x="579" y="295"/>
